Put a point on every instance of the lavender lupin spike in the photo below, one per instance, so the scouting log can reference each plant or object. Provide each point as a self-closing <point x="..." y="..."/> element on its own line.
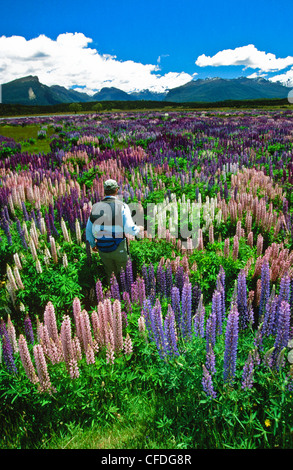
<point x="231" y="344"/>
<point x="265" y="287"/>
<point x="185" y="321"/>
<point x="242" y="300"/>
<point x="207" y="383"/>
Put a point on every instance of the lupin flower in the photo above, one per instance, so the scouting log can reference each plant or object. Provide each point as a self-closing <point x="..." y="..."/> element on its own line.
<point x="141" y="290"/>
<point x="28" y="329"/>
<point x="7" y="350"/>
<point x="259" y="244"/>
<point x="99" y="291"/>
<point x="77" y="231"/>
<point x="231" y="344"/>
<point x="217" y="310"/>
<point x="157" y="328"/>
<point x="179" y="278"/>
<point x="123" y="280"/>
<point x="127" y="302"/>
<point x="170" y="333"/>
<point x="211" y="326"/>
<point x="248" y="373"/>
<point x="42" y="370"/>
<point x="200" y="245"/>
<point x="50" y="321"/>
<point x="250" y="239"/>
<point x="265" y="287"/>
<point x="26" y="360"/>
<point x="141" y="324"/>
<point x="89" y="354"/>
<point x="283" y="327"/>
<point x="185" y="320"/>
<point x="38" y="266"/>
<point x="269" y="318"/>
<point x="110" y="356"/>
<point x="18" y="278"/>
<point x="211" y="360"/>
<point x="169" y="280"/>
<point x="235" y="247"/>
<point x="11" y="278"/>
<point x="53" y="249"/>
<point x="12" y="335"/>
<point x="67" y="348"/>
<point x="242" y="299"/>
<point x="114" y="286"/>
<point x="65" y="231"/>
<point x="227" y="247"/>
<point x="117" y="325"/>
<point x="221" y="278"/>
<point x="175" y="303"/>
<point x="129" y="275"/>
<point x="161" y="281"/>
<point x="76" y="306"/>
<point x="198" y="319"/>
<point x="96" y="327"/>
<point x="128" y="349"/>
<point x="134" y="293"/>
<point x="207" y="383"/>
<point x="284" y="293"/>
<point x="87" y="340"/>
<point x="196" y="293"/>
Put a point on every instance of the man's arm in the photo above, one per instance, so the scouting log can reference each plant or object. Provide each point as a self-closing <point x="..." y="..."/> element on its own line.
<point x="89" y="235"/>
<point x="128" y="225"/>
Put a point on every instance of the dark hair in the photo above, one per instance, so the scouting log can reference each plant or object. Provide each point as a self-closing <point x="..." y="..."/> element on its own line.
<point x="108" y="192"/>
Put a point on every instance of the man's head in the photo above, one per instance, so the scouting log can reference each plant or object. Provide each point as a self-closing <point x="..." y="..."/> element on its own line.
<point x="111" y="187"/>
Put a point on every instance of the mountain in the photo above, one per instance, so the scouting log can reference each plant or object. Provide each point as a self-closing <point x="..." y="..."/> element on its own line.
<point x="29" y="91"/>
<point x="148" y="95"/>
<point x="220" y="89"/>
<point x="69" y="96"/>
<point x="111" y="94"/>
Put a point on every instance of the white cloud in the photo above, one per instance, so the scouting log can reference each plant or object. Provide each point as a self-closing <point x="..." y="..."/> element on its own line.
<point x="285" y="78"/>
<point x="248" y="56"/>
<point x="69" y="61"/>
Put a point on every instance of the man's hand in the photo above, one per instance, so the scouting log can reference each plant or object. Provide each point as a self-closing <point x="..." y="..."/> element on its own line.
<point x="95" y="249"/>
<point x="141" y="231"/>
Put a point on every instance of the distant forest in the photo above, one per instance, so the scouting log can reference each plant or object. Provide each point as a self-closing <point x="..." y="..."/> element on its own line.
<point x="22" y="110"/>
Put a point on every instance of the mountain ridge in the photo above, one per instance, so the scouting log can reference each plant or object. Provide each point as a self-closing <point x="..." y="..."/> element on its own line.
<point x="30" y="91"/>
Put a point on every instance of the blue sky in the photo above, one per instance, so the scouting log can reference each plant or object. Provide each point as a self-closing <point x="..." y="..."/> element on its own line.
<point x="136" y="44"/>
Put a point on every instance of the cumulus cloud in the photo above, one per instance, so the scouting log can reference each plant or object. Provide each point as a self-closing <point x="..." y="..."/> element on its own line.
<point x="249" y="56"/>
<point x="70" y="61"/>
<point x="285" y="78"/>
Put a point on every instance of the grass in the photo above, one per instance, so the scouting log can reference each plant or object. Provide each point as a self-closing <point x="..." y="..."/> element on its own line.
<point x="132" y="430"/>
<point x="23" y="134"/>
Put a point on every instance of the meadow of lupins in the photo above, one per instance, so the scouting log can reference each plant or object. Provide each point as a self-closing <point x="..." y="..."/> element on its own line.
<point x="235" y="167"/>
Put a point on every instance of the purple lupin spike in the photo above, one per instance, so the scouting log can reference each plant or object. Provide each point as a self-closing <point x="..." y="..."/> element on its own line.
<point x="265" y="287"/>
<point x="185" y="321"/>
<point x="170" y="333"/>
<point x="247" y="373"/>
<point x="242" y="299"/>
<point x="7" y="349"/>
<point x="283" y="328"/>
<point x="231" y="344"/>
<point x="207" y="383"/>
<point x="28" y="329"/>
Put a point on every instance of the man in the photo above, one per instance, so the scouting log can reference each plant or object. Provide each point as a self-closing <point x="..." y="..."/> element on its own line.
<point x="109" y="221"/>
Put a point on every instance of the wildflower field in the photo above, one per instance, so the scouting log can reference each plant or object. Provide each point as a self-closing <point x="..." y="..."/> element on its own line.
<point x="191" y="348"/>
